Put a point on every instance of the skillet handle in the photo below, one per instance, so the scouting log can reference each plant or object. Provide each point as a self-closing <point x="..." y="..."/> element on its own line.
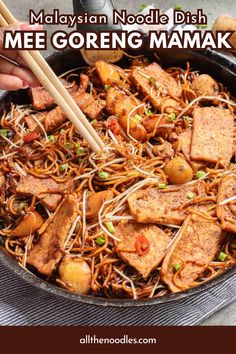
<point x="96" y="7"/>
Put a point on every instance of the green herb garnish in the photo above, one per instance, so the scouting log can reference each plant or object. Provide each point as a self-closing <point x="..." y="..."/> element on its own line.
<point x="80" y="151"/>
<point x="64" y="167"/>
<point x="222" y="256"/>
<point x="191" y="195"/>
<point x="161" y="185"/>
<point x="171" y="117"/>
<point x="110" y="227"/>
<point x="138" y="117"/>
<point x="154" y="82"/>
<point x="177" y="266"/>
<point x="94" y="122"/>
<point x="67" y="146"/>
<point x="4" y="132"/>
<point x="51" y="138"/>
<point x="107" y="87"/>
<point x="100" y="240"/>
<point x="200" y="174"/>
<point x="103" y="175"/>
<point x="149" y="112"/>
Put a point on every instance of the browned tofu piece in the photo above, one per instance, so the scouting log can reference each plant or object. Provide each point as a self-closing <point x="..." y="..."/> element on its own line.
<point x="212" y="137"/>
<point x="129" y="233"/>
<point x="52" y="120"/>
<point x="107" y="73"/>
<point x="89" y="105"/>
<point x="156" y="83"/>
<point x="31" y="186"/>
<point x="185" y="146"/>
<point x="197" y="244"/>
<point x="41" y="98"/>
<point x="227" y="212"/>
<point x="33" y="124"/>
<point x="185" y="142"/>
<point x="158" y="123"/>
<point x="122" y="105"/>
<point x="163" y="206"/>
<point x="51" y="245"/>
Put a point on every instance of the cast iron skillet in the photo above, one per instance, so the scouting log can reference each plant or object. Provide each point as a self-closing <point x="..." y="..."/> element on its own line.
<point x="221" y="66"/>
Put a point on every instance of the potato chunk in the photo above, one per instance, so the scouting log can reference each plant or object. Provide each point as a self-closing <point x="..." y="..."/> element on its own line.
<point x="95" y="201"/>
<point x="124" y="106"/>
<point x="31" y="222"/>
<point x="205" y="85"/>
<point x="107" y="73"/>
<point x="75" y="273"/>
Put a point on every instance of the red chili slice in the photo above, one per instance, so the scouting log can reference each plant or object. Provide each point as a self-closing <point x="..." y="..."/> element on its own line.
<point x="114" y="126"/>
<point x="30" y="137"/>
<point x="142" y="245"/>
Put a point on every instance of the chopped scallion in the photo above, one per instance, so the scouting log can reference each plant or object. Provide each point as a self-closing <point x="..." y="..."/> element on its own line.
<point x="79" y="151"/>
<point x="107" y="87"/>
<point x="161" y="185"/>
<point x="94" y="122"/>
<point x="62" y="131"/>
<point x="171" y="117"/>
<point x="67" y="146"/>
<point x="153" y="81"/>
<point x="100" y="240"/>
<point x="200" y="174"/>
<point x="191" y="195"/>
<point x="110" y="227"/>
<point x="222" y="256"/>
<point x="103" y="175"/>
<point x="177" y="266"/>
<point x="138" y="117"/>
<point x="51" y="138"/>
<point x="64" y="167"/>
<point x="149" y="112"/>
<point x="4" y="132"/>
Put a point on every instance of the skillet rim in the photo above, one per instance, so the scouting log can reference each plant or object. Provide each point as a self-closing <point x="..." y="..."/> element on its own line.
<point x="225" y="61"/>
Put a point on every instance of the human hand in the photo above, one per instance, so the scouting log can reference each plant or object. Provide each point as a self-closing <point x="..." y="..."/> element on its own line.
<point x="13" y="72"/>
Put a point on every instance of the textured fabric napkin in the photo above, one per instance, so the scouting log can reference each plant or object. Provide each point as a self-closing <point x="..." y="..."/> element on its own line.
<point x="22" y="304"/>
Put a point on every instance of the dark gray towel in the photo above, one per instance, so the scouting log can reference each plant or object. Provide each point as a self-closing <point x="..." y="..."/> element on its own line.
<point x="22" y="304"/>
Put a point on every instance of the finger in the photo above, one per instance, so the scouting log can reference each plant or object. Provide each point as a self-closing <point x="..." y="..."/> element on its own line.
<point x="25" y="75"/>
<point x="11" y="83"/>
<point x="13" y="54"/>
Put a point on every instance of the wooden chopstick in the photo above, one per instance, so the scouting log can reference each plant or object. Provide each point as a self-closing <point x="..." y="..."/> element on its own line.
<point x="49" y="80"/>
